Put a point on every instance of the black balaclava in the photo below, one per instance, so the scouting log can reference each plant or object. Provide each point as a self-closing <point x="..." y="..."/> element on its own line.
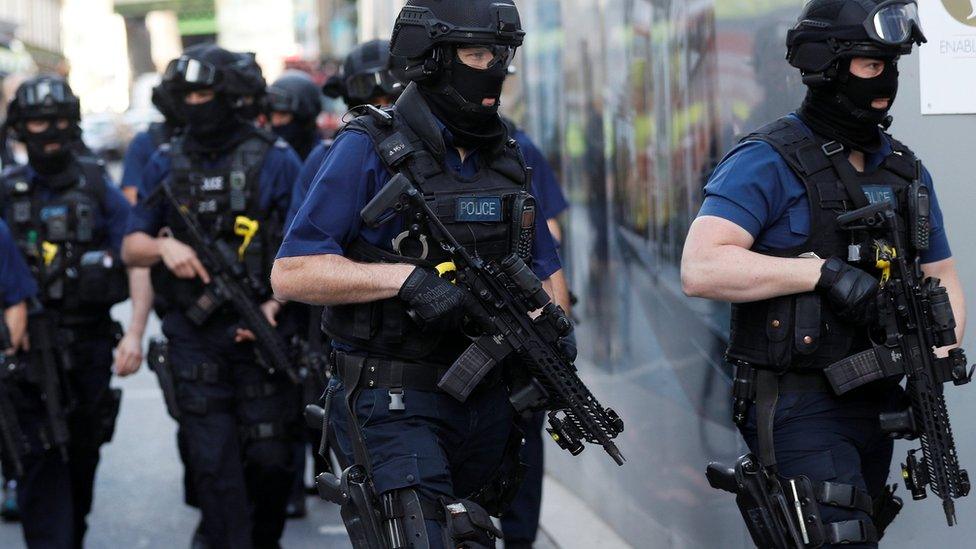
<point x="213" y="126"/>
<point x="300" y="133"/>
<point x="50" y="163"/>
<point x="841" y="110"/>
<point x="456" y="100"/>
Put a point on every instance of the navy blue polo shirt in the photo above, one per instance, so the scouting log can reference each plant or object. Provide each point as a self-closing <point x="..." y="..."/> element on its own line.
<point x="16" y="282"/>
<point x="278" y="172"/>
<point x="137" y="157"/>
<point x="305" y="177"/>
<point x="112" y="218"/>
<point x="754" y="188"/>
<point x="329" y="220"/>
<point x="545" y="186"/>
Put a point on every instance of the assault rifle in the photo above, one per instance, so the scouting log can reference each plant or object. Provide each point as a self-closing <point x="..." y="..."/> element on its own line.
<point x="47" y="362"/>
<point x="915" y="318"/>
<point x="11" y="437"/>
<point x="231" y="283"/>
<point x="507" y="292"/>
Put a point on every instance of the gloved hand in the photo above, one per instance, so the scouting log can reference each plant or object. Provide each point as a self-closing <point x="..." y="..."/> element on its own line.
<point x="851" y="291"/>
<point x="567" y="346"/>
<point x="433" y="301"/>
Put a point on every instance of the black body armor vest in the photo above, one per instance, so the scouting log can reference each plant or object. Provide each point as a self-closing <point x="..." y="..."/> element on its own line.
<point x="218" y="197"/>
<point x="800" y="332"/>
<point x="478" y="211"/>
<point x="62" y="239"/>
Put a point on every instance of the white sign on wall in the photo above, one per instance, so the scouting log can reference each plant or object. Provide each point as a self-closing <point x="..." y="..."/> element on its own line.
<point x="948" y="61"/>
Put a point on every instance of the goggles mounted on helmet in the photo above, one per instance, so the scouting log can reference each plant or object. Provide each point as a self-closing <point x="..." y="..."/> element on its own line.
<point x="46" y="98"/>
<point x="894" y="23"/>
<point x="186" y="72"/>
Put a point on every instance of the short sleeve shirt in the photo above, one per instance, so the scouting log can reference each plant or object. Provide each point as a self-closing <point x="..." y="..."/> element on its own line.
<point x="754" y="188"/>
<point x="329" y="219"/>
<point x="137" y="158"/>
<point x="305" y="177"/>
<point x="545" y="186"/>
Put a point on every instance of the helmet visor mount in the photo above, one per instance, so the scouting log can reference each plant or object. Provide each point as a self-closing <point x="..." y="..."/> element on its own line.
<point x="190" y="71"/>
<point x="484" y="56"/>
<point x="894" y="23"/>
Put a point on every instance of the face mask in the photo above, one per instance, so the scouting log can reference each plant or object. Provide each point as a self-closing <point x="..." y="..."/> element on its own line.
<point x="457" y="103"/>
<point x="300" y="134"/>
<point x="49" y="162"/>
<point x="842" y="110"/>
<point x="205" y="120"/>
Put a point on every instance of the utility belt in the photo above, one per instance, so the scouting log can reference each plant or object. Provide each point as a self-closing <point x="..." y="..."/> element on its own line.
<point x="396" y="375"/>
<point x="744" y="384"/>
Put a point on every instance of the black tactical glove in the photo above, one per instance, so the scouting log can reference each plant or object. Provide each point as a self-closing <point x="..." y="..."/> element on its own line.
<point x="434" y="302"/>
<point x="851" y="291"/>
<point x="567" y="346"/>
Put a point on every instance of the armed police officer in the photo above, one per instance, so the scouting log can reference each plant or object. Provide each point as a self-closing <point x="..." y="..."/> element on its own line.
<point x="232" y="182"/>
<point x="394" y="322"/>
<point x="366" y="79"/>
<point x="293" y="103"/>
<point x="68" y="220"/>
<point x="768" y="240"/>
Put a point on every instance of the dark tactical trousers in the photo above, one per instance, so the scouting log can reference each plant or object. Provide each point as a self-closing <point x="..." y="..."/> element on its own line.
<point x="521" y="522"/>
<point x="830" y="438"/>
<point x="238" y="425"/>
<point x="55" y="497"/>
<point x="438" y="446"/>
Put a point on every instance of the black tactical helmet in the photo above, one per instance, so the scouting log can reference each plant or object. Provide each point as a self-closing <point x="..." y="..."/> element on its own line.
<point x="209" y="66"/>
<point x="247" y="76"/>
<point x="830" y="30"/>
<point x="366" y="75"/>
<point x="45" y="96"/>
<point x="424" y="26"/>
<point x="294" y="93"/>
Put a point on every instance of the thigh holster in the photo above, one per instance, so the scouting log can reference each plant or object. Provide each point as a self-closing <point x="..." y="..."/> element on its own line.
<point x="783" y="513"/>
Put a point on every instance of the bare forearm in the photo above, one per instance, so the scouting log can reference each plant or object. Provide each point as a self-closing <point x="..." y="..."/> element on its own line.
<point x="15" y="317"/>
<point x="734" y="274"/>
<point x="335" y="280"/>
<point x="140" y="250"/>
<point x="947" y="273"/>
<point x="559" y="290"/>
<point x="141" y="292"/>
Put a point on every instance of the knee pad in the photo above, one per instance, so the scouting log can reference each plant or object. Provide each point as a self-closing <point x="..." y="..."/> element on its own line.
<point x="467" y="525"/>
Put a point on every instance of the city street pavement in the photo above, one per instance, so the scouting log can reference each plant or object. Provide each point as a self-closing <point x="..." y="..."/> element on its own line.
<point x="139" y="488"/>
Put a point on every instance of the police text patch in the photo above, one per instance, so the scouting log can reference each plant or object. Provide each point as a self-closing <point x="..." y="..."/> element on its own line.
<point x="879" y="193"/>
<point x="486" y="209"/>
